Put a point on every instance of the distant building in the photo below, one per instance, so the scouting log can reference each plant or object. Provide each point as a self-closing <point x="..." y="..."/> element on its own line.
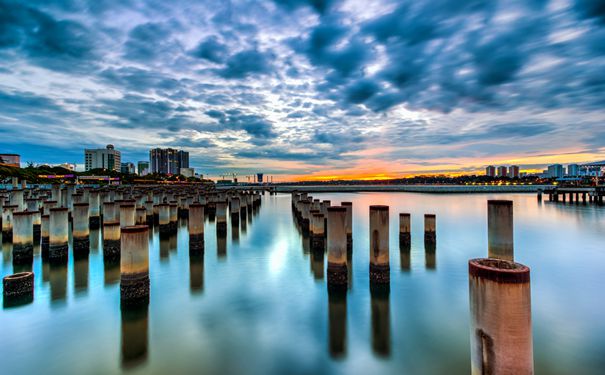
<point x="127" y="168"/>
<point x="259" y="178"/>
<point x="188" y="172"/>
<point x="555" y="171"/>
<point x="513" y="171"/>
<point x="103" y="158"/>
<point x="69" y="166"/>
<point x="168" y="160"/>
<point x="143" y="168"/>
<point x="573" y="170"/>
<point x="502" y="171"/>
<point x="12" y="160"/>
<point x="490" y="171"/>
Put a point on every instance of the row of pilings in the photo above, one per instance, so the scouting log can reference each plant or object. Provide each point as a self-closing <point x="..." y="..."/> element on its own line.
<point x="499" y="288"/>
<point x="124" y="214"/>
<point x="579" y="195"/>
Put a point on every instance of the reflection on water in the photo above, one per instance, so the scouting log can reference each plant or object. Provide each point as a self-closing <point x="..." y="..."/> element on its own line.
<point x="337" y="305"/>
<point x="381" y="319"/>
<point x="58" y="283"/>
<point x="135" y="332"/>
<point x="196" y="273"/>
<point x="265" y="310"/>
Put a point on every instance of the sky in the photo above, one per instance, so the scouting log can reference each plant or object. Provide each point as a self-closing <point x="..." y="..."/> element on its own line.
<point x="306" y="89"/>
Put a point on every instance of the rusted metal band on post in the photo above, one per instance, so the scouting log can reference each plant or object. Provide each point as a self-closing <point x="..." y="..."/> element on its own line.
<point x="135" y="229"/>
<point x="501" y="271"/>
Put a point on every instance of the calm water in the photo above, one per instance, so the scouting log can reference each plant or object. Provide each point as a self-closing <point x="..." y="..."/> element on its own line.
<point x="258" y="302"/>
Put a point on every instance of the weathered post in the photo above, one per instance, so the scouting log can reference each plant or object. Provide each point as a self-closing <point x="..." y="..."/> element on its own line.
<point x="164" y="219"/>
<point x="235" y="208"/>
<point x="500" y="229"/>
<point x="430" y="234"/>
<point x="95" y="212"/>
<point x="500" y="304"/>
<point x="317" y="231"/>
<point x="127" y="215"/>
<point x="337" y="247"/>
<point x="405" y="238"/>
<point x="196" y="228"/>
<point x="23" y="238"/>
<point x="141" y="216"/>
<point x="16" y="199"/>
<point x="7" y="223"/>
<point x="379" y="245"/>
<point x="81" y="229"/>
<point x="174" y="217"/>
<point x="58" y="235"/>
<point x="221" y="218"/>
<point x="134" y="265"/>
<point x="349" y="207"/>
<point x="44" y="236"/>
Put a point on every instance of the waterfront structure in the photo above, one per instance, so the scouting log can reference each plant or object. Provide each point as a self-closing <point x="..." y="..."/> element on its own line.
<point x="103" y="158"/>
<point x="555" y="171"/>
<point x="490" y="171"/>
<point x="513" y="171"/>
<point x="502" y="171"/>
<point x="573" y="170"/>
<point x="259" y="178"/>
<point x="11" y="160"/>
<point x="143" y="168"/>
<point x="127" y="168"/>
<point x="168" y="160"/>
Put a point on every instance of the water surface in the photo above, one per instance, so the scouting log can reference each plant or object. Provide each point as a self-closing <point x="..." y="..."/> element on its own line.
<point x="257" y="302"/>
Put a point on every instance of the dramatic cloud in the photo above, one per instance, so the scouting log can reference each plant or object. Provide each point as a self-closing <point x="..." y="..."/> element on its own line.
<point x="306" y="86"/>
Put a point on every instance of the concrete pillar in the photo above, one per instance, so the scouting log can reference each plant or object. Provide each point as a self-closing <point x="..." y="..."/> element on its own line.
<point x="15" y="182"/>
<point x="221" y="218"/>
<point x="430" y="232"/>
<point x="405" y="238"/>
<point x="149" y="213"/>
<point x="349" y="207"/>
<point x="44" y="236"/>
<point x="243" y="210"/>
<point x="174" y="217"/>
<point x="196" y="228"/>
<point x="95" y="210"/>
<point x="235" y="209"/>
<point x="23" y="238"/>
<point x="81" y="231"/>
<point x="500" y="307"/>
<point x="127" y="215"/>
<point x="379" y="244"/>
<point x="110" y="213"/>
<point x="134" y="265"/>
<point x="58" y="235"/>
<point x="337" y="314"/>
<point x="164" y="218"/>
<point x="500" y="229"/>
<point x="18" y="289"/>
<point x="56" y="193"/>
<point x="317" y="231"/>
<point x="337" y="248"/>
<point x="306" y="216"/>
<point x="141" y="216"/>
<point x="16" y="199"/>
<point x="7" y="222"/>
<point x="37" y="220"/>
<point x="111" y="241"/>
<point x="47" y="205"/>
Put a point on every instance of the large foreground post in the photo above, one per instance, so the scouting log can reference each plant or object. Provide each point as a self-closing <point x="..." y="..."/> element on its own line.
<point x="500" y="304"/>
<point x="196" y="228"/>
<point x="337" y="247"/>
<point x="58" y="235"/>
<point x="379" y="244"/>
<point x="134" y="265"/>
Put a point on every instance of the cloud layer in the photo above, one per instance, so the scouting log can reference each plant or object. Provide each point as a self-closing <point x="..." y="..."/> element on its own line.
<point x="321" y="87"/>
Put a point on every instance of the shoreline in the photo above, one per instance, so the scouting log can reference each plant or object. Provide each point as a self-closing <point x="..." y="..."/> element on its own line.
<point x="431" y="189"/>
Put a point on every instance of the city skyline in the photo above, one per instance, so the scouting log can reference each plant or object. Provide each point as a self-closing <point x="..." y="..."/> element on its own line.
<point x="306" y="90"/>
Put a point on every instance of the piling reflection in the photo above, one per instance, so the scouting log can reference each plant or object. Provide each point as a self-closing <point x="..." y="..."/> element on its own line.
<point x="196" y="273"/>
<point x="430" y="260"/>
<point x="337" y="321"/>
<point x="111" y="271"/>
<point x="317" y="264"/>
<point x="94" y="241"/>
<point x="406" y="260"/>
<point x="381" y="319"/>
<point x="81" y="275"/>
<point x="221" y="246"/>
<point x="58" y="283"/>
<point x="235" y="233"/>
<point x="135" y="335"/>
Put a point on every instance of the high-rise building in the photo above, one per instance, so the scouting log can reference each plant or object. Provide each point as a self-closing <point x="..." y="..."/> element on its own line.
<point x="513" y="171"/>
<point x="168" y="160"/>
<point x="573" y="170"/>
<point x="127" y="168"/>
<point x="103" y="158"/>
<point x="188" y="172"/>
<point x="12" y="160"/>
<point x="502" y="171"/>
<point x="555" y="171"/>
<point x="143" y="168"/>
<point x="490" y="171"/>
